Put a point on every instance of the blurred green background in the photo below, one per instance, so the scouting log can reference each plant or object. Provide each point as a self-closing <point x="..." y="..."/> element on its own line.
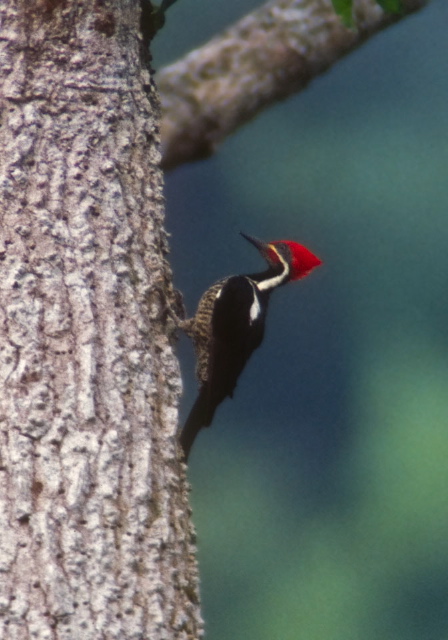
<point x="320" y="494"/>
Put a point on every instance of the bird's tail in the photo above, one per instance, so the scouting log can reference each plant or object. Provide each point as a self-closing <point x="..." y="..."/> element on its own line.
<point x="201" y="415"/>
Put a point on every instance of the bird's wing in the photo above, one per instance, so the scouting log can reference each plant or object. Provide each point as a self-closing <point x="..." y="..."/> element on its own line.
<point x="237" y="329"/>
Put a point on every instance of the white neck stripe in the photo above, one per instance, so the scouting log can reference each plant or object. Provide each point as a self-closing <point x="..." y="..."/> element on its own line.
<point x="275" y="281"/>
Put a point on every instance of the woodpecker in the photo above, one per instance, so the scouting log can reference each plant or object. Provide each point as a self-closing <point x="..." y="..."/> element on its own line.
<point x="229" y="326"/>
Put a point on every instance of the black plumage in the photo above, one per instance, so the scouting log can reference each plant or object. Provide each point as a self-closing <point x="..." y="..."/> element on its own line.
<point x="229" y="325"/>
<point x="231" y="339"/>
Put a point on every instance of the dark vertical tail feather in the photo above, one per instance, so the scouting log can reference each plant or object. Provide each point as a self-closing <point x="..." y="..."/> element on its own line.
<point x="201" y="415"/>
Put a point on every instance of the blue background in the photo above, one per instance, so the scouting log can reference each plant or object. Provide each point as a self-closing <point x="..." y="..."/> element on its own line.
<point x="320" y="494"/>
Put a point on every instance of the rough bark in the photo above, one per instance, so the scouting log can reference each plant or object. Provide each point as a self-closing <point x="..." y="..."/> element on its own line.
<point x="267" y="56"/>
<point x="95" y="540"/>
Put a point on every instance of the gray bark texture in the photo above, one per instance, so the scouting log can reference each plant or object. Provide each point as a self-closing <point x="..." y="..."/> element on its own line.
<point x="267" y="56"/>
<point x="95" y="537"/>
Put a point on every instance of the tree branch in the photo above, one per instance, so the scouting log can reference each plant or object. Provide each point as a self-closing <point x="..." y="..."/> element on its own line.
<point x="267" y="56"/>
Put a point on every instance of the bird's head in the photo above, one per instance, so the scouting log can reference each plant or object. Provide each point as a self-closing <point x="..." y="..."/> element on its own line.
<point x="298" y="259"/>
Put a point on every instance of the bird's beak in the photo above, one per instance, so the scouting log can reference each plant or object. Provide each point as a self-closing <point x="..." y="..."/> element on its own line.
<point x="261" y="246"/>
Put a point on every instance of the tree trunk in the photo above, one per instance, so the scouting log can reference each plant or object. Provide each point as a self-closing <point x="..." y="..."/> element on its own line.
<point x="95" y="540"/>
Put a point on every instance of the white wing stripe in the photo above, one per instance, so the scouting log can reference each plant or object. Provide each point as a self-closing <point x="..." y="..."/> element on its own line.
<point x="255" y="308"/>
